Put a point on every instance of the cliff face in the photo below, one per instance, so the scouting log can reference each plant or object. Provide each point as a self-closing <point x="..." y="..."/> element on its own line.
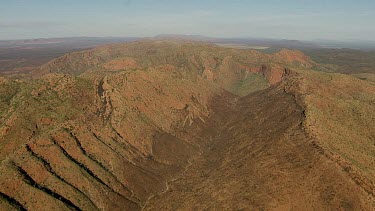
<point x="291" y="56"/>
<point x="152" y="125"/>
<point x="274" y="75"/>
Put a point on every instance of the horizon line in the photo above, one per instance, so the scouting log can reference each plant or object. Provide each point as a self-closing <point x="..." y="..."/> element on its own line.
<point x="196" y="36"/>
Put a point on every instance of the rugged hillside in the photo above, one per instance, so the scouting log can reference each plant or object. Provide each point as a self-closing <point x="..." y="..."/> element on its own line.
<point x="185" y="125"/>
<point x="266" y="161"/>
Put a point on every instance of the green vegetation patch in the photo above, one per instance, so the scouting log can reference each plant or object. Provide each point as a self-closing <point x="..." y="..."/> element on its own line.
<point x="252" y="83"/>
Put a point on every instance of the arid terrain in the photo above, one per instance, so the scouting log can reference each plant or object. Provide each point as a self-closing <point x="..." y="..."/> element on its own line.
<point x="172" y="124"/>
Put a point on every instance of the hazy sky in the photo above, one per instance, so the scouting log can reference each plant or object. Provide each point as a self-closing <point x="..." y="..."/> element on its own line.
<point x="285" y="19"/>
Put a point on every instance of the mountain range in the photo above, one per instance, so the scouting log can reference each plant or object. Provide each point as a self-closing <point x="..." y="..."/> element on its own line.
<point x="172" y="124"/>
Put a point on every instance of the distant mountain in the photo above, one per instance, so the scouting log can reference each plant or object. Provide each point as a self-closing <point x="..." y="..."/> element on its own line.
<point x="79" y="42"/>
<point x="349" y="44"/>
<point x="22" y="56"/>
<point x="183" y="37"/>
<point x="273" y="43"/>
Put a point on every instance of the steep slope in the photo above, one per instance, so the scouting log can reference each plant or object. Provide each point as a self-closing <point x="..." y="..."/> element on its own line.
<point x="340" y="118"/>
<point x="154" y="125"/>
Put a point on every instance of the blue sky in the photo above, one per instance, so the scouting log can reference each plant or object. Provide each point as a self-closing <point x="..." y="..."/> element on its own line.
<point x="281" y="19"/>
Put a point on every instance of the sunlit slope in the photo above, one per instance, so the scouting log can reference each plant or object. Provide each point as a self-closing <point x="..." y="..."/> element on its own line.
<point x="340" y="116"/>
